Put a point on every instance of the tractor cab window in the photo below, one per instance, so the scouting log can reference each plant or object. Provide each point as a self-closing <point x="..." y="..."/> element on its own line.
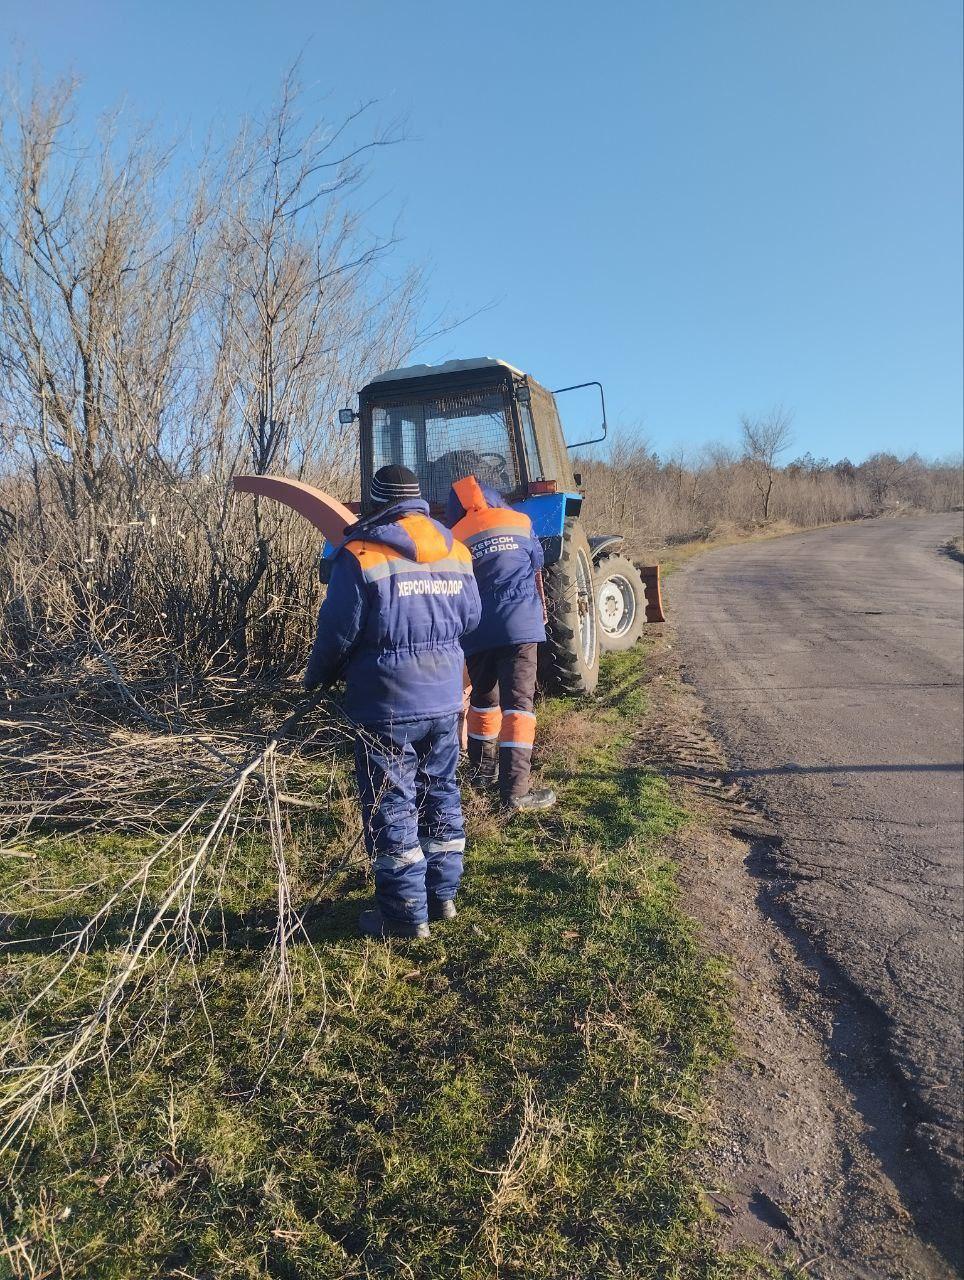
<point x="443" y="438"/>
<point x="534" y="464"/>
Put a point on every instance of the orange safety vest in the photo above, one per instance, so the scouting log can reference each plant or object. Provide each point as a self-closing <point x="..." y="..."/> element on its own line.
<point x="480" y="518"/>
<point x="506" y="556"/>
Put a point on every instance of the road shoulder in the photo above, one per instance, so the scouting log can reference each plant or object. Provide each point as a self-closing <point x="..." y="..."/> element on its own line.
<point x="791" y="1168"/>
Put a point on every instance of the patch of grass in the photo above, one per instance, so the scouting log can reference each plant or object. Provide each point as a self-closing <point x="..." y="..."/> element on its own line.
<point x="517" y="1098"/>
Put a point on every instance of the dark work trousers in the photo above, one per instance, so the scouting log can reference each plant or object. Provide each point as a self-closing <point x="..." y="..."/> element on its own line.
<point x="501" y="716"/>
<point x="412" y="813"/>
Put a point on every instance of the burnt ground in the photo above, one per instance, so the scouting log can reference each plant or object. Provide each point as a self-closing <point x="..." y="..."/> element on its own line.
<point x="835" y="1141"/>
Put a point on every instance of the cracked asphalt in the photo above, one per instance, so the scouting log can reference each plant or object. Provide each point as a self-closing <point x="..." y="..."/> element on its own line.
<point x="831" y="665"/>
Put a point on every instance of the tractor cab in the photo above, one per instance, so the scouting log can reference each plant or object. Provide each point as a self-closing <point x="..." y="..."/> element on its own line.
<point x="480" y="417"/>
<point x="486" y="418"/>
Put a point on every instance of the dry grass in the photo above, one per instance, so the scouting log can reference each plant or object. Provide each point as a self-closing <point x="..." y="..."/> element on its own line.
<point x="200" y="802"/>
<point x="516" y="1098"/>
<point x="726" y="534"/>
<point x="578" y="729"/>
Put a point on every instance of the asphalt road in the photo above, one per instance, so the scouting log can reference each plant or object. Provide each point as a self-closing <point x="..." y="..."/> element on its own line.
<point x="831" y="665"/>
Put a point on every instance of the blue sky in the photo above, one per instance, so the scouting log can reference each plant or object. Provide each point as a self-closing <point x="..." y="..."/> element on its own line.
<point x="713" y="206"/>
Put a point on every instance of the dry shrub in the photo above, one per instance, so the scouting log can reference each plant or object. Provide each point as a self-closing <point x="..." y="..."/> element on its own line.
<point x="715" y="494"/>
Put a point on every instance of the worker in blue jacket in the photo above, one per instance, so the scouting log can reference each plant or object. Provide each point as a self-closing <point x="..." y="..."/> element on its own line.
<point x="400" y="599"/>
<point x="501" y="652"/>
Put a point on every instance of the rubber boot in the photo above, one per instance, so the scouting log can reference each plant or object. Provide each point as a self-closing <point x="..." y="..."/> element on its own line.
<point x="532" y="801"/>
<point x="483" y="764"/>
<point x="441" y="909"/>
<point x="374" y="925"/>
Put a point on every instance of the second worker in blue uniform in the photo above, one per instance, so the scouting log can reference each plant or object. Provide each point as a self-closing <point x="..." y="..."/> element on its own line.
<point x="501" y="652"/>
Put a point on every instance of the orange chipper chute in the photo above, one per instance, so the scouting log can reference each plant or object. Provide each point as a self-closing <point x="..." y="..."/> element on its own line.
<point x="327" y="514"/>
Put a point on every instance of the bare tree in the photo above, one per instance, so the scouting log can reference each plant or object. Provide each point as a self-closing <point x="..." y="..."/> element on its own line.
<point x="714" y="492"/>
<point x="882" y="471"/>
<point x="98" y="288"/>
<point x="764" y="439"/>
<point x="687" y="469"/>
<point x="299" y="322"/>
<point x="158" y="334"/>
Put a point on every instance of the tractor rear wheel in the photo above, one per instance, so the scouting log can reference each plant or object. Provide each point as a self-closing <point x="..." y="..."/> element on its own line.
<point x="620" y="603"/>
<point x="569" y="660"/>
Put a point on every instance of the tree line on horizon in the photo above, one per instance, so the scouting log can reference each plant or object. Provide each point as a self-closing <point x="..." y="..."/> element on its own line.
<point x="695" y="495"/>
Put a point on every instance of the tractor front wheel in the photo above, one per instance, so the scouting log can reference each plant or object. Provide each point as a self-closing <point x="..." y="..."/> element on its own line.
<point x="620" y="603"/>
<point x="569" y="660"/>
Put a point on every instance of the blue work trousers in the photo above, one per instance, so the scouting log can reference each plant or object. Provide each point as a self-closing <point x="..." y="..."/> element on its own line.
<point x="412" y="812"/>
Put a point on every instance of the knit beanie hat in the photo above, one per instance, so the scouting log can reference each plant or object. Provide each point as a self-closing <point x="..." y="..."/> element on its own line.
<point x="392" y="484"/>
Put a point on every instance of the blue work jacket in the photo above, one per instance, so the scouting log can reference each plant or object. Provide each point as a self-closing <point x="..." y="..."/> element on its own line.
<point x="507" y="556"/>
<point x="401" y="597"/>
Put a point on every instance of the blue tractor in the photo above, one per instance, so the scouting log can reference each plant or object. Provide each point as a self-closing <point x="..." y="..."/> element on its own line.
<point x="483" y="417"/>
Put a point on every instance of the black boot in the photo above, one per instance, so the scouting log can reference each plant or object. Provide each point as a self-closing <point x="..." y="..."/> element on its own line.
<point x="374" y="925"/>
<point x="532" y="801"/>
<point x="483" y="764"/>
<point x="441" y="909"/>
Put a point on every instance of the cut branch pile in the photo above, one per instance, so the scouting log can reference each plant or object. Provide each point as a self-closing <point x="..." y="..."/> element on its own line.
<point x="195" y="792"/>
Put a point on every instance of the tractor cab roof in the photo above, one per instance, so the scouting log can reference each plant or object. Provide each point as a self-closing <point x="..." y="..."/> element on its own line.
<point x="441" y="370"/>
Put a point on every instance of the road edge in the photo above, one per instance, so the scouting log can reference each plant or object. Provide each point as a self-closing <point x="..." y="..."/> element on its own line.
<point x="790" y="1169"/>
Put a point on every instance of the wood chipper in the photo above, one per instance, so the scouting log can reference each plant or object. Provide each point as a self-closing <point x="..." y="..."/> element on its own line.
<point x="483" y="417"/>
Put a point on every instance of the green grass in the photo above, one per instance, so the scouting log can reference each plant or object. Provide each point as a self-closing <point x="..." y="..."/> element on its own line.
<point x="520" y="1097"/>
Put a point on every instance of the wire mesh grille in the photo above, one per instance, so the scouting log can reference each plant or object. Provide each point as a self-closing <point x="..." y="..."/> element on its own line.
<point x="443" y="438"/>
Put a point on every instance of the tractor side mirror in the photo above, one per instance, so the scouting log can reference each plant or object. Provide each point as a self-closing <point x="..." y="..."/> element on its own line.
<point x="346" y="417"/>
